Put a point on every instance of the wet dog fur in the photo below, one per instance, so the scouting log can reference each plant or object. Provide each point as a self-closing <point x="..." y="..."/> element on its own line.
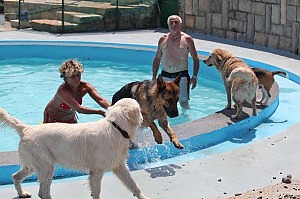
<point x="239" y="80"/>
<point x="158" y="100"/>
<point x="266" y="80"/>
<point x="95" y="147"/>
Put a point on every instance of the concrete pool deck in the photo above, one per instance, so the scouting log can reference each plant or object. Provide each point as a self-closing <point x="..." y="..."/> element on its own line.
<point x="222" y="175"/>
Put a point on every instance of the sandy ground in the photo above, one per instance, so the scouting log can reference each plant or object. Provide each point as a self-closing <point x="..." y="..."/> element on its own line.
<point x="280" y="191"/>
<point x="4" y="25"/>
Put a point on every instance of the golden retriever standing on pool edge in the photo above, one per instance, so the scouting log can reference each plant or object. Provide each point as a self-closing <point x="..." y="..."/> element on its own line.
<point x="95" y="147"/>
<point x="158" y="99"/>
<point x="239" y="80"/>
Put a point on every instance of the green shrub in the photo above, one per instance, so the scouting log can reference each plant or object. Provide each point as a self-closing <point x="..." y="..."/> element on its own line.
<point x="1" y="6"/>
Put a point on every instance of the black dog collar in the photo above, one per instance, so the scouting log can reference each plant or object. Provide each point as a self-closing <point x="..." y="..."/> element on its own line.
<point x="124" y="133"/>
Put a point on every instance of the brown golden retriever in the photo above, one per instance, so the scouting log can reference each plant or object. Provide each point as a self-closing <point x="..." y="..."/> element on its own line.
<point x="265" y="81"/>
<point x="158" y="100"/>
<point x="239" y="80"/>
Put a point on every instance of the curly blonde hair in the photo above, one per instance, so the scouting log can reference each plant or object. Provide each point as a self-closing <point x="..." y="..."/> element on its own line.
<point x="70" y="67"/>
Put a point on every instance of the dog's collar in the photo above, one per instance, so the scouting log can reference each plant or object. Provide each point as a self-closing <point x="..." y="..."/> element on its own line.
<point x="231" y="62"/>
<point x="124" y="133"/>
<point x="225" y="62"/>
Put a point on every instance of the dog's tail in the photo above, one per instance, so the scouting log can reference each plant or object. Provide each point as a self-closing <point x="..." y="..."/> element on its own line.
<point x="280" y="73"/>
<point x="7" y="120"/>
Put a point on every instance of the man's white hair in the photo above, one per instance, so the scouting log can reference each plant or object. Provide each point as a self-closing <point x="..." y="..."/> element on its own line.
<point x="173" y="17"/>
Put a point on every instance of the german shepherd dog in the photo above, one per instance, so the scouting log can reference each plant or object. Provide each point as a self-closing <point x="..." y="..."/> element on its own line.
<point x="239" y="80"/>
<point x="265" y="82"/>
<point x="158" y="100"/>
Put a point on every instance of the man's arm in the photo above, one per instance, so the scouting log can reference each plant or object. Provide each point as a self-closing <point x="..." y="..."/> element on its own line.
<point x="195" y="57"/>
<point x="157" y="58"/>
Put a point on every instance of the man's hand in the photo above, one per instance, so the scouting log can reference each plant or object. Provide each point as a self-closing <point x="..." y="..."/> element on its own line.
<point x="193" y="82"/>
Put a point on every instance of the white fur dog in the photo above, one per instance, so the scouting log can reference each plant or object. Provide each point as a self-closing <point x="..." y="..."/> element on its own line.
<point x="96" y="147"/>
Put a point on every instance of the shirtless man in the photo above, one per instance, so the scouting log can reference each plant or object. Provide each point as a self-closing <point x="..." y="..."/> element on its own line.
<point x="172" y="53"/>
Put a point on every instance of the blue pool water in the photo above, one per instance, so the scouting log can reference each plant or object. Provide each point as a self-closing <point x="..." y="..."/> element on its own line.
<point x="31" y="81"/>
<point x="30" y="78"/>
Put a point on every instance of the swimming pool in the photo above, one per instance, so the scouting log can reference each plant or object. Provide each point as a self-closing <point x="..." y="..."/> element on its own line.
<point x="32" y="80"/>
<point x="89" y="51"/>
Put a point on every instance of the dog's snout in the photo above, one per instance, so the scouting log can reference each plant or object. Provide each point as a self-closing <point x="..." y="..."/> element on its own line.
<point x="173" y="114"/>
<point x="205" y="61"/>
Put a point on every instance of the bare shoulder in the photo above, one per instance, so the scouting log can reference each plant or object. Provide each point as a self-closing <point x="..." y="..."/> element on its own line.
<point x="188" y="37"/>
<point x="62" y="91"/>
<point x="163" y="37"/>
<point x="63" y="88"/>
<point x="86" y="85"/>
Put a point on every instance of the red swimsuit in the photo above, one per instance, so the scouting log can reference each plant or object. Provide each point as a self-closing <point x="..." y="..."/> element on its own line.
<point x="64" y="106"/>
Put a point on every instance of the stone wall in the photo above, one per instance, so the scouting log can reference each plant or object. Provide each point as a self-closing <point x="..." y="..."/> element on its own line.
<point x="271" y="23"/>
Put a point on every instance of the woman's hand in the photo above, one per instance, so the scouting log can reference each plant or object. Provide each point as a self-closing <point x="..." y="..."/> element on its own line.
<point x="101" y="112"/>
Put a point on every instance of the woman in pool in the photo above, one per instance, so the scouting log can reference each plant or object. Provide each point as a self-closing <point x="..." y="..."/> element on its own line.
<point x="68" y="98"/>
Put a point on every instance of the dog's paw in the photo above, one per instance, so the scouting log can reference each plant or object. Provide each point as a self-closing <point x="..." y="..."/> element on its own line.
<point x="142" y="196"/>
<point x="158" y="138"/>
<point x="25" y="194"/>
<point x="264" y="104"/>
<point x="158" y="141"/>
<point x="259" y="101"/>
<point x="178" y="145"/>
<point x="235" y="116"/>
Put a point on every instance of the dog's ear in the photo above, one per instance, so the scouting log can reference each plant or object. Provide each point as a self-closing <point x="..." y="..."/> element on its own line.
<point x="177" y="80"/>
<point x="161" y="84"/>
<point x="218" y="53"/>
<point x="219" y="57"/>
<point x="135" y="117"/>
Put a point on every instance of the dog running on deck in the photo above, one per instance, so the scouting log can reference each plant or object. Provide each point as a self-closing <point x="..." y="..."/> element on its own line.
<point x="266" y="80"/>
<point x="158" y="99"/>
<point x="239" y="80"/>
<point x="95" y="147"/>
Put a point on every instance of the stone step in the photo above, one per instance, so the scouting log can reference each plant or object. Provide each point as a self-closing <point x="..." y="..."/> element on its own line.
<point x="54" y="26"/>
<point x="83" y="16"/>
<point x="107" y="1"/>
<point x="99" y="8"/>
<point x="79" y="17"/>
<point x="10" y="16"/>
<point x="23" y="24"/>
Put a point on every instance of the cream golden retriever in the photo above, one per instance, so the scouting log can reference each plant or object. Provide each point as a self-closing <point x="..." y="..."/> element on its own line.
<point x="239" y="80"/>
<point x="95" y="147"/>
